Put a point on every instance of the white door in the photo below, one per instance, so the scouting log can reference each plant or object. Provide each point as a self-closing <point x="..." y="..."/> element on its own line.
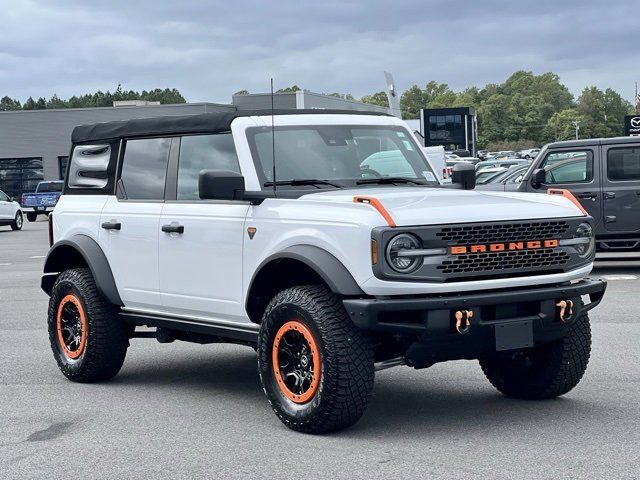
<point x="201" y="254"/>
<point x="6" y="208"/>
<point x="201" y="268"/>
<point x="130" y="224"/>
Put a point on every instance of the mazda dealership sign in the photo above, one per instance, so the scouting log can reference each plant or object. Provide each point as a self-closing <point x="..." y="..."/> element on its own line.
<point x="632" y="125"/>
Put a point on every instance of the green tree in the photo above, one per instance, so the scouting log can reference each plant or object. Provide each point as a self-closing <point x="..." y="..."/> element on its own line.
<point x="378" y="98"/>
<point x="242" y="92"/>
<point x="30" y="104"/>
<point x="7" y="103"/>
<point x="294" y="88"/>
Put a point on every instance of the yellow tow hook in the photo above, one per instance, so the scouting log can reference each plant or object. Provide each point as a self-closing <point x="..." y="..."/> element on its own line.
<point x="463" y="325"/>
<point x="563" y="305"/>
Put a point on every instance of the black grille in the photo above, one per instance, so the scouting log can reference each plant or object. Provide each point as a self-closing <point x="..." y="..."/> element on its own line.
<point x="504" y="261"/>
<point x="503" y="232"/>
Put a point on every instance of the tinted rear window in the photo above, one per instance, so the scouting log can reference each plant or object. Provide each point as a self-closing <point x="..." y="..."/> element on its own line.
<point x="144" y="168"/>
<point x="623" y="163"/>
<point x="49" y="187"/>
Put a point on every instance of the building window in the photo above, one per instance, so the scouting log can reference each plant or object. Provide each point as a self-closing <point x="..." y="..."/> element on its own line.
<point x="20" y="175"/>
<point x="63" y="161"/>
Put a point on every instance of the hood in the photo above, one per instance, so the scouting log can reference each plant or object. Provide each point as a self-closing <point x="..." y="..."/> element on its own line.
<point x="433" y="206"/>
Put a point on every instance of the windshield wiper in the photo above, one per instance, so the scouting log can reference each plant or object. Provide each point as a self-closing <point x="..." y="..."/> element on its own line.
<point x="381" y="180"/>
<point x="304" y="181"/>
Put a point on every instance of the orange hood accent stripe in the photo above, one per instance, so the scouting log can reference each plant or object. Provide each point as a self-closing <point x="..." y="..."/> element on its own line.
<point x="570" y="196"/>
<point x="375" y="203"/>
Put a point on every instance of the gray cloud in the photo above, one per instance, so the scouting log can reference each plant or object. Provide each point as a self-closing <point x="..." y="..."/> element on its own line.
<point x="208" y="50"/>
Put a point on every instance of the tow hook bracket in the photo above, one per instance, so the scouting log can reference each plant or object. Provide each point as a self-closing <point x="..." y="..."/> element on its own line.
<point x="463" y="325"/>
<point x="566" y="310"/>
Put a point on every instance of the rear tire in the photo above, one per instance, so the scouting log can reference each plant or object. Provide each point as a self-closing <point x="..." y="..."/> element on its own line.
<point x="88" y="340"/>
<point x="545" y="371"/>
<point x="17" y="222"/>
<point x="32" y="216"/>
<point x="341" y="382"/>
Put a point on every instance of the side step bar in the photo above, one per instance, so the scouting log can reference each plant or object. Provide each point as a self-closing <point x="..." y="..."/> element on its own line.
<point x="242" y="332"/>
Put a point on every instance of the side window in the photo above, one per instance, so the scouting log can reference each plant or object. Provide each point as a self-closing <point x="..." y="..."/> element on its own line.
<point x="568" y="167"/>
<point x="144" y="168"/>
<point x="3" y="197"/>
<point x="203" y="152"/>
<point x="623" y="164"/>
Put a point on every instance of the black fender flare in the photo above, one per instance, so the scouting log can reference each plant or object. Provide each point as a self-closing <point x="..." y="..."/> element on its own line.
<point x="58" y="260"/>
<point x="329" y="268"/>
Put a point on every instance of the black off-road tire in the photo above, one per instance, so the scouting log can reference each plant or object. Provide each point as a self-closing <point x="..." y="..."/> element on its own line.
<point x="107" y="337"/>
<point x="32" y="216"/>
<point x="17" y="222"/>
<point x="545" y="371"/>
<point x="346" y="358"/>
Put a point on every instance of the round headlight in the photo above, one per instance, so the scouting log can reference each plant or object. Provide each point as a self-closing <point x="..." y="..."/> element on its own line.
<point x="584" y="232"/>
<point x="399" y="253"/>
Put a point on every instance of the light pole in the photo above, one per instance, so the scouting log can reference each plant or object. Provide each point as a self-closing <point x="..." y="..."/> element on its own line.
<point x="576" y="124"/>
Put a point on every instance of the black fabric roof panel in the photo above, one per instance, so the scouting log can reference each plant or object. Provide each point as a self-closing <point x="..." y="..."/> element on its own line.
<point x="182" y="124"/>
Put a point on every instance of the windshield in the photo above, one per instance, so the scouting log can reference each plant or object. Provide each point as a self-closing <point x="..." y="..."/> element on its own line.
<point x="49" y="187"/>
<point x="343" y="154"/>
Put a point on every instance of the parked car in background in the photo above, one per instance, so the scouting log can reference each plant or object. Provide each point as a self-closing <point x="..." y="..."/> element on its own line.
<point x="487" y="174"/>
<point x="530" y="153"/>
<point x="482" y="154"/>
<point x="10" y="212"/>
<point x="501" y="163"/>
<point x="604" y="177"/>
<point x="506" y="181"/>
<point x="43" y="200"/>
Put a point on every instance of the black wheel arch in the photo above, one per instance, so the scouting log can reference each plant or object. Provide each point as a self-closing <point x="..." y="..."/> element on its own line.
<point x="80" y="251"/>
<point x="296" y="265"/>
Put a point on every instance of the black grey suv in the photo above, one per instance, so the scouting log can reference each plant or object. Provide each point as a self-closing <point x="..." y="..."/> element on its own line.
<point x="604" y="176"/>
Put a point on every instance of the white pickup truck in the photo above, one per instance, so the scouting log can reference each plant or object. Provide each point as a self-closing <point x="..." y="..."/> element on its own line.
<point x="345" y="257"/>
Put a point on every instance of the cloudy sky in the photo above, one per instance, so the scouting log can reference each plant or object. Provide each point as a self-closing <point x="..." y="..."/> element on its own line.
<point x="208" y="50"/>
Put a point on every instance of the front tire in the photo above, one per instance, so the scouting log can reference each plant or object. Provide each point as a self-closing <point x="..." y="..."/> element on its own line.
<point x="32" y="216"/>
<point x="316" y="367"/>
<point x="88" y="341"/>
<point x="17" y="222"/>
<point x="545" y="371"/>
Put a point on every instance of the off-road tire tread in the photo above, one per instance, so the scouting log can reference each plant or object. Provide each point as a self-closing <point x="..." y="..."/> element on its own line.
<point x="108" y="337"/>
<point x="566" y="363"/>
<point x="348" y="361"/>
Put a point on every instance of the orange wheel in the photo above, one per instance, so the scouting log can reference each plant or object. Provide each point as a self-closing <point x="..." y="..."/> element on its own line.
<point x="71" y="325"/>
<point x="296" y="362"/>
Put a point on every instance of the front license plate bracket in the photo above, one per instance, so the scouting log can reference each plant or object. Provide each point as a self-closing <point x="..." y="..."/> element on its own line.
<point x="514" y="335"/>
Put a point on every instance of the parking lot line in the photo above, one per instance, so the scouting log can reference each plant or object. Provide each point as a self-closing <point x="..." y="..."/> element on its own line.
<point x="4" y="264"/>
<point x="620" y="277"/>
<point x="38" y="256"/>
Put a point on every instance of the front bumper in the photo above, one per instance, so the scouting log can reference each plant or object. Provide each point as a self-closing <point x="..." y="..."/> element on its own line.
<point x="502" y="319"/>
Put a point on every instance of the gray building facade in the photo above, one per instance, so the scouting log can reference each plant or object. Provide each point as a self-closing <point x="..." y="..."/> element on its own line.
<point x="35" y="144"/>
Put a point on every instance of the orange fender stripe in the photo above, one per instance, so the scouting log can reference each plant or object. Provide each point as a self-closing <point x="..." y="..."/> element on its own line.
<point x="570" y="196"/>
<point x="375" y="203"/>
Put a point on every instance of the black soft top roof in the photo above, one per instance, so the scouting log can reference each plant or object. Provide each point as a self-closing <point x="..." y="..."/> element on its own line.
<point x="180" y="124"/>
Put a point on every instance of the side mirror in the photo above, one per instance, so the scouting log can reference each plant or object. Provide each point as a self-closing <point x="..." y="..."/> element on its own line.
<point x="465" y="175"/>
<point x="220" y="185"/>
<point x="538" y="177"/>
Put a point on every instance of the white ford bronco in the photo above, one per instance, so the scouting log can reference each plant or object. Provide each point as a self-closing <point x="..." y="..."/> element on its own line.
<point x="345" y="257"/>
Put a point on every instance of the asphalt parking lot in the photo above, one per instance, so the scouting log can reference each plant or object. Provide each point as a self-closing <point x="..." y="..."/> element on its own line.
<point x="191" y="411"/>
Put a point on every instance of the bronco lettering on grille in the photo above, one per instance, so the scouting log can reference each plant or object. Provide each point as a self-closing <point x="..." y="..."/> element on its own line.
<point x="502" y="247"/>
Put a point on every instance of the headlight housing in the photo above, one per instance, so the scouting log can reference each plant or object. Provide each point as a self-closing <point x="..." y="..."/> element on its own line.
<point x="584" y="241"/>
<point x="399" y="253"/>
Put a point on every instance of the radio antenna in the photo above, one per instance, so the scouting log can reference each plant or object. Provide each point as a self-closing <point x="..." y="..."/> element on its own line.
<point x="273" y="140"/>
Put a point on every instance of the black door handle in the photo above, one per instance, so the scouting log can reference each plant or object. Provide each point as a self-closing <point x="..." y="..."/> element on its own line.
<point x="173" y="228"/>
<point x="112" y="225"/>
<point x="609" y="195"/>
<point x="587" y="195"/>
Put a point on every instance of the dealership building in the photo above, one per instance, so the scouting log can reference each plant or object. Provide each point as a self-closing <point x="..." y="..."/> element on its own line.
<point x="35" y="144"/>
